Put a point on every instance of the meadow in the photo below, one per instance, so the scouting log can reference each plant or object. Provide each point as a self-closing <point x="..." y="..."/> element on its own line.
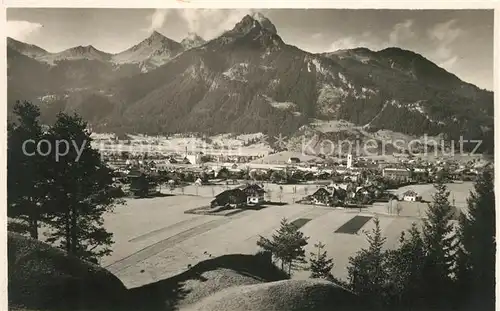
<point x="155" y="238"/>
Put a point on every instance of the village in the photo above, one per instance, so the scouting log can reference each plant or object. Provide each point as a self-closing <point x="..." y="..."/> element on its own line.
<point x="351" y="182"/>
<point x="187" y="207"/>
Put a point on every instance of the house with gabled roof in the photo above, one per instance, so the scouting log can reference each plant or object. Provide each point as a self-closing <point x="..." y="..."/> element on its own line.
<point x="255" y="194"/>
<point x="232" y="197"/>
<point x="321" y="196"/>
<point x="411" y="196"/>
<point x="326" y="196"/>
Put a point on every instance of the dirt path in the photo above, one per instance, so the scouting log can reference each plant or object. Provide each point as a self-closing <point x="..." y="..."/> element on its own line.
<point x="158" y="231"/>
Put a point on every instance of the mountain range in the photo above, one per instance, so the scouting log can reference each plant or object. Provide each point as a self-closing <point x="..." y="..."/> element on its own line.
<point x="247" y="80"/>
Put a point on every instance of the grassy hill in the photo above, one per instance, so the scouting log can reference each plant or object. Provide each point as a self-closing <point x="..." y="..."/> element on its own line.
<point x="44" y="278"/>
<point x="41" y="277"/>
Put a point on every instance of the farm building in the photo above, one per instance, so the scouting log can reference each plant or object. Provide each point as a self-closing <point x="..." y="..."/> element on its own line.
<point x="233" y="197"/>
<point x="329" y="197"/>
<point x="321" y="196"/>
<point x="254" y="193"/>
<point x="411" y="196"/>
<point x="396" y="173"/>
<point x="293" y="160"/>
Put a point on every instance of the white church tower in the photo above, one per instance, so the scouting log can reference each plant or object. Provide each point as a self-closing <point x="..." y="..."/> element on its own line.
<point x="349" y="160"/>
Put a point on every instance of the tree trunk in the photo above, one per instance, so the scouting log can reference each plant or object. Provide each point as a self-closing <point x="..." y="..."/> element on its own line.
<point x="67" y="223"/>
<point x="33" y="222"/>
<point x="33" y="228"/>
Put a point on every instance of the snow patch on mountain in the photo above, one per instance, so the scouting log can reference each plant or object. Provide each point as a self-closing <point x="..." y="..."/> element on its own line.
<point x="416" y="107"/>
<point x="283" y="105"/>
<point x="318" y="67"/>
<point x="342" y="78"/>
<point x="237" y="72"/>
<point x="266" y="68"/>
<point x="363" y="94"/>
<point x="280" y="105"/>
<point x="323" y="71"/>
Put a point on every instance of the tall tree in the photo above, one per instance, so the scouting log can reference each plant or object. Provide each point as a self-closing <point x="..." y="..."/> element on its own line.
<point x="142" y="185"/>
<point x="81" y="191"/>
<point x="405" y="268"/>
<point x="287" y="245"/>
<point x="319" y="263"/>
<point x="26" y="184"/>
<point x="367" y="274"/>
<point x="477" y="235"/>
<point x="440" y="246"/>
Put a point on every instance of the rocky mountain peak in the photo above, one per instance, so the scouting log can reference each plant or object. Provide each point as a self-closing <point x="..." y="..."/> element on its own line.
<point x="246" y="24"/>
<point x="83" y="49"/>
<point x="192" y="40"/>
<point x="156" y="36"/>
<point x="255" y="22"/>
<point x="253" y="30"/>
<point x="264" y="22"/>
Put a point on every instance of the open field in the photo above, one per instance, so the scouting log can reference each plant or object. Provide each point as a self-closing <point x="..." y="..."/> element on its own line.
<point x="225" y="144"/>
<point x="156" y="239"/>
<point x="353" y="225"/>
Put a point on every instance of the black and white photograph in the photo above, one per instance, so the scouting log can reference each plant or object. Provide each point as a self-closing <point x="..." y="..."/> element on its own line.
<point x="247" y="159"/>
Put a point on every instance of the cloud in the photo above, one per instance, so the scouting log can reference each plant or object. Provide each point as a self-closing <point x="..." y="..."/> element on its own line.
<point x="401" y="33"/>
<point x="449" y="62"/>
<point x="443" y="35"/>
<point x="157" y="19"/>
<point x="207" y="23"/>
<point x="317" y="36"/>
<point x="21" y="30"/>
<point x="446" y="31"/>
<point x="210" y="23"/>
<point x="366" y="40"/>
<point x="346" y="43"/>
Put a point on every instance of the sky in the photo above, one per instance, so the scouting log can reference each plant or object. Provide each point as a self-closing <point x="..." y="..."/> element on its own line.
<point x="461" y="41"/>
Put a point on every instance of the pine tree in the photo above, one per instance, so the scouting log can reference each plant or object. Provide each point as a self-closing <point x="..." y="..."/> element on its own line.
<point x="367" y="274"/>
<point x="80" y="192"/>
<point x="405" y="268"/>
<point x="287" y="245"/>
<point x="476" y="258"/>
<point x="320" y="265"/>
<point x="142" y="185"/>
<point x="440" y="246"/>
<point x="26" y="184"/>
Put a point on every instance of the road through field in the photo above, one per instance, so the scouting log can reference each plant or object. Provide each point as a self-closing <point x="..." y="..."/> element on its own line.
<point x="228" y="235"/>
<point x="160" y="246"/>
